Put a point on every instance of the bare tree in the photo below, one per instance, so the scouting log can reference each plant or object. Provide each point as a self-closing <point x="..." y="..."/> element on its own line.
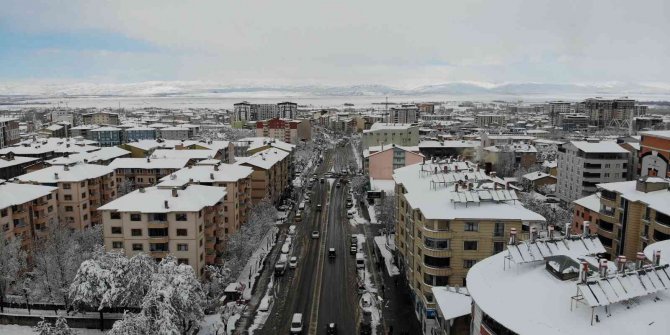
<point x="386" y="212"/>
<point x="12" y="262"/>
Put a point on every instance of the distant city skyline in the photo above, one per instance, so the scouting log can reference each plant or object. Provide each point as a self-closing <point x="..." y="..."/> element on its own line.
<point x="403" y="46"/>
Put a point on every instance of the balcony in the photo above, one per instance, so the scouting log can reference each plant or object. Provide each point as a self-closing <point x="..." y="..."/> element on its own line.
<point x="157" y="224"/>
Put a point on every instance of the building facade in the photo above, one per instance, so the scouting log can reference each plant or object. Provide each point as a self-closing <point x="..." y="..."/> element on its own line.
<point x="101" y="118"/>
<point x="9" y="132"/>
<point x="289" y="131"/>
<point x="654" y="153"/>
<point x="388" y="133"/>
<point x="26" y="211"/>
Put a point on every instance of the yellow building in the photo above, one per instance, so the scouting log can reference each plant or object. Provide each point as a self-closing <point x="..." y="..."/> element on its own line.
<point x="449" y="216"/>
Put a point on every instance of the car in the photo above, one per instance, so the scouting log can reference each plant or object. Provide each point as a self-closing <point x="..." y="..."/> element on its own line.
<point x="349" y="204"/>
<point x="338" y="185"/>
<point x="360" y="261"/>
<point x="322" y="180"/>
<point x="315" y="234"/>
<point x="318" y="207"/>
<point x="296" y="323"/>
<point x="350" y="215"/>
<point x="331" y="253"/>
<point x="353" y="250"/>
<point x="331" y="329"/>
<point x="551" y="199"/>
<point x="293" y="262"/>
<point x="291" y="230"/>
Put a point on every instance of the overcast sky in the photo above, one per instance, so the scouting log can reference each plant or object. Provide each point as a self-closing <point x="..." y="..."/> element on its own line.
<point x="339" y="42"/>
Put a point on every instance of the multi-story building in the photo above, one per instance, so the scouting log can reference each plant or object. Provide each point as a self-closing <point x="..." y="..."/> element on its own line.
<point x="103" y="156"/>
<point x="82" y="188"/>
<point x="12" y="166"/>
<point x="287" y="110"/>
<point x="610" y="112"/>
<point x="83" y="131"/>
<point x="174" y="133"/>
<point x="488" y="120"/>
<point x="101" y="118"/>
<point x="48" y="148"/>
<point x="560" y="286"/>
<point x="182" y="222"/>
<point x="449" y="216"/>
<point x="106" y="136"/>
<point x="140" y="133"/>
<point x="388" y="133"/>
<point x="289" y="131"/>
<point x="380" y="162"/>
<point x="134" y="173"/>
<point x="630" y="215"/>
<point x="9" y="131"/>
<point x="235" y="178"/>
<point x="654" y="153"/>
<point x="58" y="115"/>
<point x="270" y="177"/>
<point x="26" y="211"/>
<point x="404" y="114"/>
<point x="573" y="121"/>
<point x="556" y="108"/>
<point x="245" y="111"/>
<point x="583" y="164"/>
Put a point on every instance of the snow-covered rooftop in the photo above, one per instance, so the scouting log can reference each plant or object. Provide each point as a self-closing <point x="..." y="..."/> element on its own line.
<point x="599" y="147"/>
<point x="453" y="302"/>
<point x="389" y="126"/>
<point x="264" y="159"/>
<point x="657" y="133"/>
<point x="590" y="202"/>
<point x="259" y="142"/>
<point x="68" y="174"/>
<point x="187" y="153"/>
<point x="550" y="164"/>
<point x="52" y="144"/>
<point x="16" y="194"/>
<point x="5" y="163"/>
<point x="143" y="163"/>
<point x="104" y="154"/>
<point x="533" y="176"/>
<point x="212" y="173"/>
<point x="434" y="192"/>
<point x="663" y="247"/>
<point x="152" y="199"/>
<point x="657" y="200"/>
<point x="375" y="149"/>
<point x="106" y="129"/>
<point x="528" y="299"/>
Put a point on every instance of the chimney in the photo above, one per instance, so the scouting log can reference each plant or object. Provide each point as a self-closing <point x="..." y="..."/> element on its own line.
<point x="423" y="161"/>
<point x="166" y="204"/>
<point x="512" y="236"/>
<point x="148" y="159"/>
<point x="66" y="167"/>
<point x="585" y="229"/>
<point x="657" y="257"/>
<point x="211" y="176"/>
<point x="56" y="175"/>
<point x="602" y="269"/>
<point x="550" y="230"/>
<point x="640" y="260"/>
<point x="492" y="174"/>
<point x="621" y="263"/>
<point x="585" y="271"/>
<point x="141" y="189"/>
<point x="456" y="187"/>
<point x="567" y="229"/>
<point x="174" y="193"/>
<point x="216" y="167"/>
<point x="495" y="186"/>
<point x="533" y="234"/>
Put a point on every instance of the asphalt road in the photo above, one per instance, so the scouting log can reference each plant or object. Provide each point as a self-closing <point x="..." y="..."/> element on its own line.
<point x="322" y="289"/>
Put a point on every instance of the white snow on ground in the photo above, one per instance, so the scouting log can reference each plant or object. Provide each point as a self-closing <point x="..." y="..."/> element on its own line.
<point x="370" y="289"/>
<point x="230" y="329"/>
<point x="297" y="182"/>
<point x="357" y="155"/>
<point x="386" y="246"/>
<point x="373" y="214"/>
<point x="27" y="330"/>
<point x="262" y="316"/>
<point x="211" y="324"/>
<point x="255" y="264"/>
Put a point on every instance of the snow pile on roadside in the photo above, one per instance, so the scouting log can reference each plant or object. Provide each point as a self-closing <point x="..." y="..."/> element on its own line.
<point x="359" y="163"/>
<point x="373" y="214"/>
<point x="230" y="329"/>
<point x="386" y="249"/>
<point x="357" y="218"/>
<point x="264" y="309"/>
<point x="255" y="264"/>
<point x="371" y="291"/>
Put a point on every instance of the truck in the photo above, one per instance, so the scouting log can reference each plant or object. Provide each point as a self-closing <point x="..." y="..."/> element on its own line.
<point x="280" y="266"/>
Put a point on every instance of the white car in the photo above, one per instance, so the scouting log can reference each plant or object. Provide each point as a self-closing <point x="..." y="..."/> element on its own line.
<point x="293" y="262"/>
<point x="350" y="215"/>
<point x="315" y="234"/>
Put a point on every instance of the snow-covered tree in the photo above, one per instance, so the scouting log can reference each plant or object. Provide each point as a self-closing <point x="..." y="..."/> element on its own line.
<point x="234" y="134"/>
<point x="12" y="261"/>
<point x="138" y="273"/>
<point x="359" y="185"/>
<point x="553" y="214"/>
<point x="132" y="324"/>
<point x="386" y="212"/>
<point x="125" y="186"/>
<point x="59" y="327"/>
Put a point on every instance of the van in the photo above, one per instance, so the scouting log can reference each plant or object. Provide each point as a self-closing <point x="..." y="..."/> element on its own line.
<point x="291" y="230"/>
<point x="285" y="248"/>
<point x="301" y="206"/>
<point x="296" y="323"/>
<point x="360" y="261"/>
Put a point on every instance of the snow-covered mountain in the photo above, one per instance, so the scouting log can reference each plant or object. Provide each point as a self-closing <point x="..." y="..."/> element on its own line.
<point x="195" y="88"/>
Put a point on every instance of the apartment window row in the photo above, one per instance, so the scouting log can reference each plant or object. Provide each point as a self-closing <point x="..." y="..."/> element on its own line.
<point x="153" y="232"/>
<point x="151" y="216"/>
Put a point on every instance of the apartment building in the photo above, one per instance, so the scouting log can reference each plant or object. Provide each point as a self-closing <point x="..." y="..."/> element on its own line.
<point x="144" y="172"/>
<point x="556" y="108"/>
<point x="449" y="216"/>
<point x="12" y="166"/>
<point x="379" y="162"/>
<point x="48" y="148"/>
<point x="489" y="120"/>
<point x="389" y="133"/>
<point x="26" y="211"/>
<point x="629" y="215"/>
<point x="289" y="131"/>
<point x="584" y="164"/>
<point x="654" y="153"/>
<point x="107" y="136"/>
<point x="83" y="131"/>
<point x="183" y="222"/>
<point x="271" y="172"/>
<point x="102" y="156"/>
<point x="404" y="114"/>
<point x="610" y="112"/>
<point x="101" y="118"/>
<point x="140" y="133"/>
<point x="245" y="111"/>
<point x="236" y="179"/>
<point x="82" y="188"/>
<point x="9" y="131"/>
<point x="174" y="133"/>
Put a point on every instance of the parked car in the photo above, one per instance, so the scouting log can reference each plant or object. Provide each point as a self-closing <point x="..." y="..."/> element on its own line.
<point x="296" y="323"/>
<point x="353" y="250"/>
<point x="315" y="234"/>
<point x="331" y="329"/>
<point x="293" y="262"/>
<point x="331" y="253"/>
<point x="318" y="207"/>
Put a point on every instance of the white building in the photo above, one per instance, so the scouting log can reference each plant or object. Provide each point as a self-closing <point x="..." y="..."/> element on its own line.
<point x="403" y="134"/>
<point x="583" y="164"/>
<point x="404" y="114"/>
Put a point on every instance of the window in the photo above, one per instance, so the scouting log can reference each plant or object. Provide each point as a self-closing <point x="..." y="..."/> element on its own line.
<point x="83" y="183"/>
<point x="68" y="208"/>
<point x="181" y="216"/>
<point x="469" y="245"/>
<point x="3" y="212"/>
<point x="182" y="261"/>
<point x="135" y="217"/>
<point x="182" y="247"/>
<point x="182" y="232"/>
<point x="436" y="243"/>
<point x="498" y="247"/>
<point x="435" y="280"/>
<point x="117" y="245"/>
<point x="468" y="263"/>
<point x="136" y="232"/>
<point x="117" y="230"/>
<point x="471" y="226"/>
<point x="437" y="262"/>
<point x="50" y="209"/>
<point x="66" y="186"/>
<point x="85" y="217"/>
<point x="84" y="206"/>
<point x="499" y="229"/>
<point x="138" y="247"/>
<point x="67" y="197"/>
<point x="49" y="196"/>
<point x="83" y="195"/>
<point x="115" y="215"/>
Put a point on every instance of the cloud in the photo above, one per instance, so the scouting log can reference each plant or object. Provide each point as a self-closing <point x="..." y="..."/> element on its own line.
<point x="344" y="42"/>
